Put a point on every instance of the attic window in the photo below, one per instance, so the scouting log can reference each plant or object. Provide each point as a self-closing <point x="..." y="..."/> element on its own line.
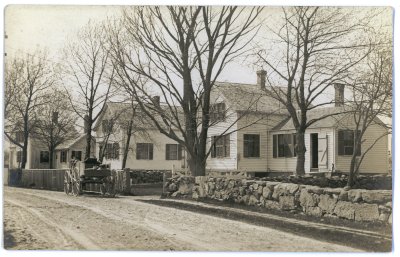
<point x="107" y="126"/>
<point x="19" y="136"/>
<point x="217" y="112"/>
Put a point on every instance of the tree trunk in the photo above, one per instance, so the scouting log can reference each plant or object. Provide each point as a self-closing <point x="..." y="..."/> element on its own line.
<point x="301" y="152"/>
<point x="51" y="159"/>
<point x="24" y="155"/>
<point x="128" y="141"/>
<point x="352" y="172"/>
<point x="197" y="165"/>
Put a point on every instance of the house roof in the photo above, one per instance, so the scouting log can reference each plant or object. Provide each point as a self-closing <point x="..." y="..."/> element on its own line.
<point x="71" y="142"/>
<point x="125" y="111"/>
<point x="249" y="97"/>
<point x="339" y="115"/>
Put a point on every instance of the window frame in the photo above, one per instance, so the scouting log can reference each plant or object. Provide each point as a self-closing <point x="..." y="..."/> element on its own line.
<point x="63" y="156"/>
<point x="246" y="142"/>
<point x="42" y="157"/>
<point x="19" y="156"/>
<point x="74" y="154"/>
<point x="221" y="147"/>
<point x="346" y="140"/>
<point x="284" y="145"/>
<point x="147" y="148"/>
<point x="169" y="149"/>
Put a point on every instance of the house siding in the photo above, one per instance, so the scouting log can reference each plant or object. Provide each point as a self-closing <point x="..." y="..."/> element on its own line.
<point x="261" y="126"/>
<point x="376" y="160"/>
<point x="226" y="163"/>
<point x="282" y="164"/>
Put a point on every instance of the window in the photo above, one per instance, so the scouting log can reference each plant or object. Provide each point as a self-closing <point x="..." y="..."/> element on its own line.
<point x="251" y="145"/>
<point x="112" y="151"/>
<point x="77" y="155"/>
<point x="144" y="151"/>
<point x="284" y="145"/>
<point x="173" y="152"/>
<point x="346" y="142"/>
<point x="44" y="156"/>
<point x="217" y="112"/>
<point x="19" y="136"/>
<point x="63" y="156"/>
<point x="19" y="156"/>
<point x="220" y="147"/>
<point x="107" y="126"/>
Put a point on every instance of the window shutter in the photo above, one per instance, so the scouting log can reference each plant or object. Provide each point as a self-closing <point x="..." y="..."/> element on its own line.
<point x="340" y="142"/>
<point x="150" y="151"/>
<point x="227" y="146"/>
<point x="245" y="146"/>
<point x="167" y="150"/>
<point x="116" y="151"/>
<point x="138" y="149"/>
<point x="179" y="152"/>
<point x="294" y="145"/>
<point x="257" y="145"/>
<point x="213" y="147"/>
<point x="275" y="146"/>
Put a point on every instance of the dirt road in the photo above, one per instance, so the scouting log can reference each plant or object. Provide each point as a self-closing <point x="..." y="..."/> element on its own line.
<point x="36" y="219"/>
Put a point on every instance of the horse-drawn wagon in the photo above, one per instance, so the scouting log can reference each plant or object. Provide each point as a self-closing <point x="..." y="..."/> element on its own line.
<point x="90" y="171"/>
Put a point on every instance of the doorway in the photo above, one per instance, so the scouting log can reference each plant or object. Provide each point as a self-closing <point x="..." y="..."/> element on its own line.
<point x="314" y="150"/>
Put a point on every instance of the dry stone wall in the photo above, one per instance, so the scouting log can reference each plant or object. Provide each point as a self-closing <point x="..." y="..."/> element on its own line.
<point x="355" y="204"/>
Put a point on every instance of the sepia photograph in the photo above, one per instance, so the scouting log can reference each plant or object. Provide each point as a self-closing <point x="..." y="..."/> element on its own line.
<point x="198" y="128"/>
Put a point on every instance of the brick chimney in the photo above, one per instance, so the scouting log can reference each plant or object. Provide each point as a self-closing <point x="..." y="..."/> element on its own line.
<point x="261" y="79"/>
<point x="86" y="124"/>
<point x="339" y="94"/>
<point x="156" y="100"/>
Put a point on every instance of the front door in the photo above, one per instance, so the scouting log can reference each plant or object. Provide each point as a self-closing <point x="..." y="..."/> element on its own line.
<point x="323" y="152"/>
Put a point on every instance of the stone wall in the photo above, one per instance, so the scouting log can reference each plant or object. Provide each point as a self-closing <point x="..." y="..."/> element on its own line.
<point x="354" y="204"/>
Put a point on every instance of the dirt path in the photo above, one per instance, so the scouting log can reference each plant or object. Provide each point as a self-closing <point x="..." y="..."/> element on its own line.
<point x="37" y="219"/>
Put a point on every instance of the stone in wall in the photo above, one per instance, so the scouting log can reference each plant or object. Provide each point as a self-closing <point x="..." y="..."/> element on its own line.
<point x="344" y="210"/>
<point x="377" y="196"/>
<point x="267" y="192"/>
<point x="366" y="212"/>
<point x="313" y="211"/>
<point x="327" y="203"/>
<point x="287" y="202"/>
<point x="284" y="189"/>
<point x="308" y="199"/>
<point x="270" y="204"/>
<point x="355" y="195"/>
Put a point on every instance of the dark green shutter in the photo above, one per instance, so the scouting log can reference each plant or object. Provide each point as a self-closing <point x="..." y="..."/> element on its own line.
<point x="275" y="146"/>
<point x="227" y="145"/>
<point x="256" y="145"/>
<point x="138" y="149"/>
<point x="150" y="151"/>
<point x="167" y="149"/>
<point x="179" y="152"/>
<point x="213" y="147"/>
<point x="340" y="142"/>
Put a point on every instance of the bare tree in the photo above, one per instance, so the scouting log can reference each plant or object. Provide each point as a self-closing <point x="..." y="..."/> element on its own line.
<point x="180" y="52"/>
<point x="371" y="100"/>
<point x="89" y="76"/>
<point x="55" y="123"/>
<point x="315" y="48"/>
<point x="28" y="77"/>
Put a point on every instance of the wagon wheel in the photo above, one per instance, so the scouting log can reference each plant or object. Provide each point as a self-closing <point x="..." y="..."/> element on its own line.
<point x="109" y="186"/>
<point x="103" y="187"/>
<point x="76" y="184"/>
<point x="67" y="183"/>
